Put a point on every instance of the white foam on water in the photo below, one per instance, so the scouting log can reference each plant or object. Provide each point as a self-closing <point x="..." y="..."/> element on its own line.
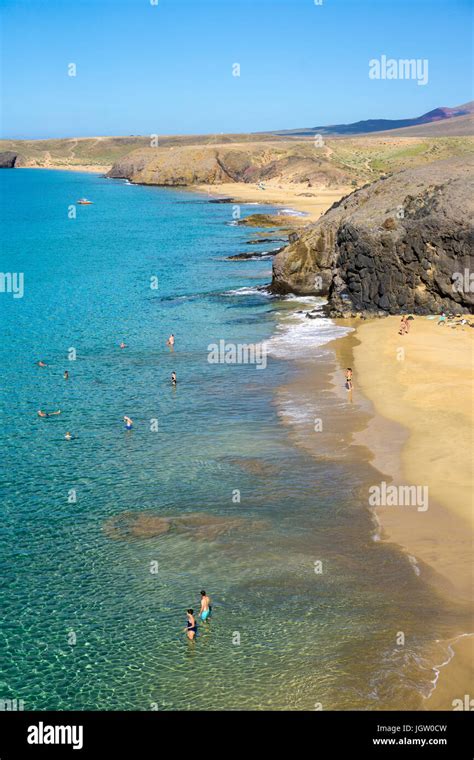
<point x="247" y="291"/>
<point x="297" y="336"/>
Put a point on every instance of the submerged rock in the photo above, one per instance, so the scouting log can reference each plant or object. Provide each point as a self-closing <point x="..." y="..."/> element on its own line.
<point x="200" y="526"/>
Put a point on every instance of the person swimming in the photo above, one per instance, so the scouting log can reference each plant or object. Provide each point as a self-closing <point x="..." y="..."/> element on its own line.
<point x="349" y="379"/>
<point x="66" y="375"/>
<point x="47" y="414"/>
<point x="128" y="422"/>
<point x="123" y="344"/>
<point x="206" y="607"/>
<point x="174" y="379"/>
<point x="170" y="341"/>
<point x="191" y="625"/>
<point x="41" y="364"/>
<point x="68" y="436"/>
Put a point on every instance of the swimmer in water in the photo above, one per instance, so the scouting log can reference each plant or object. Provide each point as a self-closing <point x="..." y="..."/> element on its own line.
<point x="206" y="608"/>
<point x="47" y="414"/>
<point x="68" y="436"/>
<point x="123" y="345"/>
<point x="66" y="374"/>
<point x="41" y="364"/>
<point x="191" y="626"/>
<point x="128" y="422"/>
<point x="174" y="379"/>
<point x="349" y="385"/>
<point x="170" y="341"/>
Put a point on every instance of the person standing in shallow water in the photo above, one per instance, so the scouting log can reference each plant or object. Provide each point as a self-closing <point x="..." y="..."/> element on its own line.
<point x="349" y="385"/>
<point x="205" y="610"/>
<point x="174" y="379"/>
<point x="170" y="342"/>
<point x="191" y="625"/>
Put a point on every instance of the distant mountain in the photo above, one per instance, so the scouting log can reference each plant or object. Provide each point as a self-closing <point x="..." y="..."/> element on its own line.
<point x="382" y="125"/>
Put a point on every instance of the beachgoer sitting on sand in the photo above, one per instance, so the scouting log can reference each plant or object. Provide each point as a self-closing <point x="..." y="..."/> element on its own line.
<point x="442" y="319"/>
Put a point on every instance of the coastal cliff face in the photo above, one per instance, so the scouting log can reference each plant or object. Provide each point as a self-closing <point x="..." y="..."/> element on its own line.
<point x="402" y="244"/>
<point x="208" y="164"/>
<point x="9" y="159"/>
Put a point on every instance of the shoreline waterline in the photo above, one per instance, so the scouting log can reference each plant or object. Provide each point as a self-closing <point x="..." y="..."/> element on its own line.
<point x="378" y="442"/>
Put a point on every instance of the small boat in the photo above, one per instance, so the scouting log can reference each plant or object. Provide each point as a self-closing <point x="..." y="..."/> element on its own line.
<point x="84" y="202"/>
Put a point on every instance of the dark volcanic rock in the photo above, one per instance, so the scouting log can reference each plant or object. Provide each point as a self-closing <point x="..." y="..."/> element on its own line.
<point x="9" y="159"/>
<point x="254" y="255"/>
<point x="400" y="244"/>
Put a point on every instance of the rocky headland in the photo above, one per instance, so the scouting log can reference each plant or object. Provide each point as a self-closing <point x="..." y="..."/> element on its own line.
<point x="401" y="244"/>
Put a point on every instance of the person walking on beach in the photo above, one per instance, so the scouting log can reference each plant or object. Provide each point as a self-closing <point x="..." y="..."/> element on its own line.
<point x="206" y="608"/>
<point x="170" y="341"/>
<point x="174" y="379"/>
<point x="349" y="385"/>
<point x="191" y="625"/>
<point x="128" y="422"/>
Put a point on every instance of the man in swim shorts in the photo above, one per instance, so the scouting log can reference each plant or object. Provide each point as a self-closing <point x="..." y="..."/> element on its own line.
<point x="205" y="610"/>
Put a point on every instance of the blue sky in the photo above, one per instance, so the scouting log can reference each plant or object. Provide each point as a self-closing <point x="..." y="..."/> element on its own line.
<point x="167" y="68"/>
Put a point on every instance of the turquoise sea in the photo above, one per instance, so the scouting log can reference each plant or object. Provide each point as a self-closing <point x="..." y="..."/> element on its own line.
<point x="93" y="611"/>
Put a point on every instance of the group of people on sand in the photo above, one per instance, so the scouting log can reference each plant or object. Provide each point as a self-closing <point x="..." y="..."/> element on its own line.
<point x="128" y="420"/>
<point x="204" y="613"/>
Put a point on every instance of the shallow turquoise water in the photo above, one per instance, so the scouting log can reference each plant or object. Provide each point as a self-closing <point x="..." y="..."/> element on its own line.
<point x="282" y="637"/>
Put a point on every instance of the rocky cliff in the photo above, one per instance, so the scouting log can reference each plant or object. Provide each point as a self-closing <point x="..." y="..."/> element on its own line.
<point x="403" y="244"/>
<point x="208" y="164"/>
<point x="9" y="159"/>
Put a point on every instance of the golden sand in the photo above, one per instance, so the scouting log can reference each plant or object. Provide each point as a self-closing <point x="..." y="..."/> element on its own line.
<point x="313" y="201"/>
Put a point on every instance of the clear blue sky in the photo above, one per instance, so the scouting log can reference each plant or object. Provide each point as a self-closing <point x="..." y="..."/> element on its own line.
<point x="167" y="69"/>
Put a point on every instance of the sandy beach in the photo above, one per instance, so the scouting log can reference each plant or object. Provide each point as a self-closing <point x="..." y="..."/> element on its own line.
<point x="89" y="168"/>
<point x="312" y="201"/>
<point x="420" y="386"/>
<point x="423" y="382"/>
